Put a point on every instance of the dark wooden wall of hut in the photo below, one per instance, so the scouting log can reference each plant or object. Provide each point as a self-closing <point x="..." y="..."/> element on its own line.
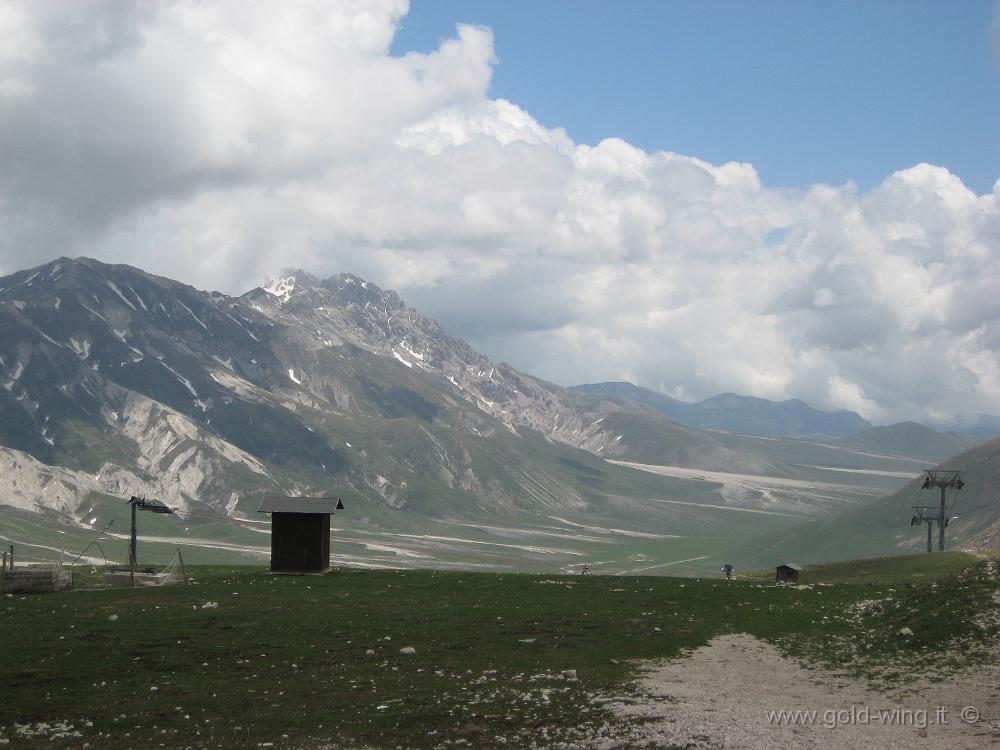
<point x="300" y="542"/>
<point x="783" y="573"/>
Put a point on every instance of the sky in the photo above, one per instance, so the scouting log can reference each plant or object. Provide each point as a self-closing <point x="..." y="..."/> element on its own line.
<point x="777" y="199"/>
<point x="806" y="92"/>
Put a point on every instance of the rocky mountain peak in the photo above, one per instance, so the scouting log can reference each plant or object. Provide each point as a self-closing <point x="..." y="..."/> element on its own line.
<point x="350" y="289"/>
<point x="55" y="274"/>
<point x="346" y="290"/>
<point x="289" y="282"/>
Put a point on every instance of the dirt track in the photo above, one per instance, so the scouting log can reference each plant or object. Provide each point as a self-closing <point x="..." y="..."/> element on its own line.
<point x="721" y="695"/>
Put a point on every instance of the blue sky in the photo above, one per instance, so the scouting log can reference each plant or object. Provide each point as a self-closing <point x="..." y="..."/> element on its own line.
<point x="230" y="143"/>
<point x="807" y="92"/>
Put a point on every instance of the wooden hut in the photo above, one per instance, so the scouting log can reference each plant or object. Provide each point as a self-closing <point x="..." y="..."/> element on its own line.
<point x="787" y="573"/>
<point x="300" y="533"/>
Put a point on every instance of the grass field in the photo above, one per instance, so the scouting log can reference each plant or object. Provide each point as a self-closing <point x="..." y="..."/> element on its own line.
<point x="619" y="536"/>
<point x="883" y="570"/>
<point x="240" y="658"/>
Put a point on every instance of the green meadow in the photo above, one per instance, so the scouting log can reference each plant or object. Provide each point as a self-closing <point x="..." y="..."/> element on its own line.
<point x="240" y="658"/>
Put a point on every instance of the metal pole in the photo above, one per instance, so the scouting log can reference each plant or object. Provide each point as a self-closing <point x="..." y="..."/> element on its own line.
<point x="930" y="537"/>
<point x="941" y="523"/>
<point x="181" y="560"/>
<point x="131" y="548"/>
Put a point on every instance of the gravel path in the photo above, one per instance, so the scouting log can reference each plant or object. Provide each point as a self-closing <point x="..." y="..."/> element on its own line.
<point x="720" y="696"/>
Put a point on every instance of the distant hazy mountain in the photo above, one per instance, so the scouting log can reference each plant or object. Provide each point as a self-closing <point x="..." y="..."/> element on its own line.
<point x="883" y="527"/>
<point x="743" y="414"/>
<point x="672" y="407"/>
<point x="984" y="426"/>
<point x="911" y="439"/>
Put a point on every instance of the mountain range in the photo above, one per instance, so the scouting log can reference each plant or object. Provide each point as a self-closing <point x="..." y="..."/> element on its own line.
<point x="102" y="363"/>
<point x="742" y="414"/>
<point x="115" y="382"/>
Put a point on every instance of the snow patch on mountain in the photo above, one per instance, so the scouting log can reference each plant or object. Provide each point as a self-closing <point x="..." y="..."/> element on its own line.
<point x="408" y="350"/>
<point x="197" y="319"/>
<point x="183" y="380"/>
<point x="18" y="371"/>
<point x="281" y="288"/>
<point x="81" y="347"/>
<point x="92" y="311"/>
<point x="245" y="329"/>
<point x="139" y="299"/>
<point x="118" y="291"/>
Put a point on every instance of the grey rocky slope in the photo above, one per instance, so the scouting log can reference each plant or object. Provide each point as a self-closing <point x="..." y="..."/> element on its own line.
<point x="347" y="311"/>
<point x="142" y="383"/>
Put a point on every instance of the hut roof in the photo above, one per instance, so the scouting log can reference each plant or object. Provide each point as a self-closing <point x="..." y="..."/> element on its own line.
<point x="793" y="566"/>
<point x="298" y="505"/>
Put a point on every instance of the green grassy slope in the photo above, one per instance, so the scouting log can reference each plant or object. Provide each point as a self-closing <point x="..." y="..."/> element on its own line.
<point x="883" y="527"/>
<point x="911" y="439"/>
<point x="813" y="454"/>
<point x="882" y="570"/>
<point x="613" y="533"/>
<point x="240" y="658"/>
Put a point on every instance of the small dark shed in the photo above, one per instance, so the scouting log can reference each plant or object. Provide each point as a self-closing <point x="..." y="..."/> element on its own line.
<point x="300" y="533"/>
<point x="788" y="572"/>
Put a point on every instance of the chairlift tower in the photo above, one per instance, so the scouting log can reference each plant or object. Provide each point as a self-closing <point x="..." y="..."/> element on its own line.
<point x="141" y="503"/>
<point x="926" y="514"/>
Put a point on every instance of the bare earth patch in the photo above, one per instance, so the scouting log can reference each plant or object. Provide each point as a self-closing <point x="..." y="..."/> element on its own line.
<point x="728" y="694"/>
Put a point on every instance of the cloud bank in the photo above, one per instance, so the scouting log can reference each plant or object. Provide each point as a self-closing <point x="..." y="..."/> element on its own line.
<point x="219" y="142"/>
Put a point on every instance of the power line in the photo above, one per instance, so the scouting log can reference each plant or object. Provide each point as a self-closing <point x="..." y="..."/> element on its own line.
<point x="93" y="542"/>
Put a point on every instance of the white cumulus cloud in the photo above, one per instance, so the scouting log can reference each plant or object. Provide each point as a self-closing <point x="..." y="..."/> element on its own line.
<point x="217" y="142"/>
